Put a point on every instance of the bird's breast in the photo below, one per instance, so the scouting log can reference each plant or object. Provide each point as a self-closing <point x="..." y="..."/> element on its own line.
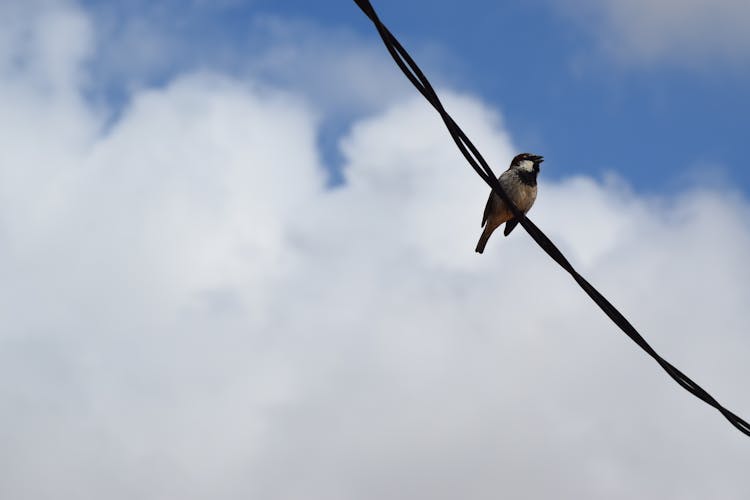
<point x="525" y="198"/>
<point x="522" y="194"/>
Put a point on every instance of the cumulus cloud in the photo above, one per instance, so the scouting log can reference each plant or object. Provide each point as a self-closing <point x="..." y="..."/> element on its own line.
<point x="311" y="60"/>
<point x="188" y="312"/>
<point x="43" y="40"/>
<point x="687" y="32"/>
<point x="148" y="43"/>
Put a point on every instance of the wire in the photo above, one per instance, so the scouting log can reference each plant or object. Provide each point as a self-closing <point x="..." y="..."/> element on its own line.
<point x="480" y="166"/>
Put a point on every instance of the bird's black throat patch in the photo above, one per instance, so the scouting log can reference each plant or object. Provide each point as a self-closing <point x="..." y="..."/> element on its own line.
<point x="528" y="178"/>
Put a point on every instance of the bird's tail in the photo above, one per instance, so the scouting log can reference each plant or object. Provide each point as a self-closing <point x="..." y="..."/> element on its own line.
<point x="484" y="238"/>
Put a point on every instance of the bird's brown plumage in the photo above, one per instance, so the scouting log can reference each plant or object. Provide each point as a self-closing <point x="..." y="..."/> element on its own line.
<point x="495" y="214"/>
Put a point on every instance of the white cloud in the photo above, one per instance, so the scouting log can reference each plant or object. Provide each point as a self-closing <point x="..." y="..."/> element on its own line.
<point x="687" y="32"/>
<point x="154" y="43"/>
<point x="331" y="67"/>
<point x="186" y="311"/>
<point x="44" y="41"/>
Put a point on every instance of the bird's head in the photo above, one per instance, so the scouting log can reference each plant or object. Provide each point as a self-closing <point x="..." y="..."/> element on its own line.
<point x="527" y="162"/>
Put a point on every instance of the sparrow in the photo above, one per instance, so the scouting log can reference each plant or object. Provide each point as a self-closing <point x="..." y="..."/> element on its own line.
<point x="519" y="183"/>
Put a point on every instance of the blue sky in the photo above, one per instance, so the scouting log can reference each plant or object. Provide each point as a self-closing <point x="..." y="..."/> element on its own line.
<point x="660" y="121"/>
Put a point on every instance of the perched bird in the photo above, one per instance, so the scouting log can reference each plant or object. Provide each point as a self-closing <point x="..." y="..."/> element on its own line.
<point x="519" y="183"/>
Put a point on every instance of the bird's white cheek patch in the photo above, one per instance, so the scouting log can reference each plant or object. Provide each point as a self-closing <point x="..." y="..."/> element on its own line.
<point x="527" y="165"/>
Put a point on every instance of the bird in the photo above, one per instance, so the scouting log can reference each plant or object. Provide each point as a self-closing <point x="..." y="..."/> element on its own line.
<point x="519" y="183"/>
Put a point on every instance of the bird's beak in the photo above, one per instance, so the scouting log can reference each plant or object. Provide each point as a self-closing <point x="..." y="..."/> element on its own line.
<point x="538" y="159"/>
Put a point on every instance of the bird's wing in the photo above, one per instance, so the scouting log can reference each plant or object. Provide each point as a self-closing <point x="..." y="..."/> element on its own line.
<point x="512" y="223"/>
<point x="494" y="202"/>
<point x="489" y="208"/>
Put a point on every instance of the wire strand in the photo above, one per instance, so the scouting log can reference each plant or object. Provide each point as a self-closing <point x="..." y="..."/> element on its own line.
<point x="477" y="162"/>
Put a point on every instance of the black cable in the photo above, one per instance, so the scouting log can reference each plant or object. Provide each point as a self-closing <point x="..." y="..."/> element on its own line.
<point x="480" y="166"/>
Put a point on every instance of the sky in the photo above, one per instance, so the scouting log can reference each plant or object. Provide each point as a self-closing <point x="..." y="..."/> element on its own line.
<point x="237" y="251"/>
<point x="632" y="87"/>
